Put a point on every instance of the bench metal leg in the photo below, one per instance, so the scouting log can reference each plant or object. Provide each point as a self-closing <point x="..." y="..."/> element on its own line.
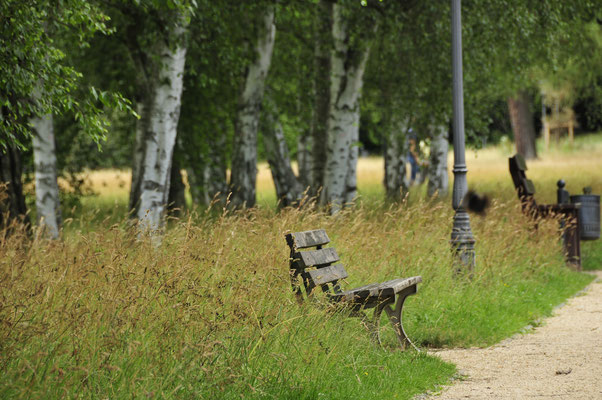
<point x="395" y="316"/>
<point x="375" y="324"/>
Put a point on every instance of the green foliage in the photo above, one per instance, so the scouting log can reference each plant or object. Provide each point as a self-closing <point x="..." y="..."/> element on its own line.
<point x="410" y="66"/>
<point x="36" y="79"/>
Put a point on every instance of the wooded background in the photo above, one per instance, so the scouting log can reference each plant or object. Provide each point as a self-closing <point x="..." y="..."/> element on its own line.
<point x="211" y="87"/>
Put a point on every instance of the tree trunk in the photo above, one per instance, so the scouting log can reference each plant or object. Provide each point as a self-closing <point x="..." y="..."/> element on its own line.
<point x="48" y="207"/>
<point x="396" y="150"/>
<point x="350" y="191"/>
<point x="215" y="172"/>
<point x="437" y="170"/>
<point x="304" y="159"/>
<point x="321" y="109"/>
<point x="289" y="190"/>
<point x="12" y="200"/>
<point x="160" y="137"/>
<point x="346" y="79"/>
<point x="244" y="158"/>
<point x="521" y="119"/>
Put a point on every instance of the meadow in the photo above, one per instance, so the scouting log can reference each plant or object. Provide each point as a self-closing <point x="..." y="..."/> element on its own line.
<point x="210" y="313"/>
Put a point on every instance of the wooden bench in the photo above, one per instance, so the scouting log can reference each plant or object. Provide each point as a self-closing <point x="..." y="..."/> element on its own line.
<point x="315" y="266"/>
<point x="567" y="212"/>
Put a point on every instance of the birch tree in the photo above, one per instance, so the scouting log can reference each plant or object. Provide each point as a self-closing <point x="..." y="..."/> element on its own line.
<point x="158" y="127"/>
<point x="438" y="179"/>
<point x="395" y="153"/>
<point x="244" y="157"/>
<point x="347" y="64"/>
<point x="33" y="63"/>
<point x="48" y="208"/>
<point x="321" y="88"/>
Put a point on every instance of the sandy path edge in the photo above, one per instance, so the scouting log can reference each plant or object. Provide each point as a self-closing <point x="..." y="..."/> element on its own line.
<point x="561" y="359"/>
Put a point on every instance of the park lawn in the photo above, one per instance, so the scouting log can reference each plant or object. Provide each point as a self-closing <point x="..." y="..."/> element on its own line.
<point x="210" y="313"/>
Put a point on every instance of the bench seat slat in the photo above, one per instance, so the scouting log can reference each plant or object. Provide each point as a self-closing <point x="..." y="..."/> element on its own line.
<point x="384" y="289"/>
<point x="312" y="258"/>
<point x="303" y="240"/>
<point x="320" y="276"/>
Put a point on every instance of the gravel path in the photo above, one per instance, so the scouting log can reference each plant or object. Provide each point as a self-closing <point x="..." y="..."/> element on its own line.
<point x="560" y="360"/>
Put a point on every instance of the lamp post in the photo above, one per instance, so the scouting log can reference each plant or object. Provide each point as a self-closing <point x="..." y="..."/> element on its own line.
<point x="462" y="240"/>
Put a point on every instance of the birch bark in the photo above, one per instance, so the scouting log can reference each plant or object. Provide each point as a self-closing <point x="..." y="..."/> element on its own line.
<point x="304" y="159"/>
<point x="244" y="158"/>
<point x="160" y="138"/>
<point x="438" y="179"/>
<point x="48" y="208"/>
<point x="321" y="86"/>
<point x="346" y="78"/>
<point x="396" y="151"/>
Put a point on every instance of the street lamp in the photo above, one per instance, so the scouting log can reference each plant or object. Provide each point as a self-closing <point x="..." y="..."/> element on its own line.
<point x="462" y="239"/>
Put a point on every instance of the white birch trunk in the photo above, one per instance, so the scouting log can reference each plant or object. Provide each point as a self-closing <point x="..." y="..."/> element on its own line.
<point x="161" y="136"/>
<point x="321" y="87"/>
<point x="347" y="70"/>
<point x="437" y="170"/>
<point x="304" y="159"/>
<point x="396" y="185"/>
<point x="244" y="158"/>
<point x="47" y="191"/>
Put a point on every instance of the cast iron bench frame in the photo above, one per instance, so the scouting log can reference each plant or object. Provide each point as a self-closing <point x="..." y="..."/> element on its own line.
<point x="567" y="212"/>
<point x="316" y="268"/>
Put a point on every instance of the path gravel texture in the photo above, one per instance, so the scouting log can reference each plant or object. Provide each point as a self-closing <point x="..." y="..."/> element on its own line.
<point x="560" y="360"/>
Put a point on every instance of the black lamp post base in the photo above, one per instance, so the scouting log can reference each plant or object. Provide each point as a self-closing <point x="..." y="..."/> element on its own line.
<point x="462" y="242"/>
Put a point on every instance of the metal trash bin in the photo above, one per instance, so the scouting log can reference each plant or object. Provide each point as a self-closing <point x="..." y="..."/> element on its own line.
<point x="589" y="215"/>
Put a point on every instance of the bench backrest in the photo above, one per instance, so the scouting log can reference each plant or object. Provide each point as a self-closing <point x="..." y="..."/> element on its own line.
<point x="314" y="263"/>
<point x="523" y="186"/>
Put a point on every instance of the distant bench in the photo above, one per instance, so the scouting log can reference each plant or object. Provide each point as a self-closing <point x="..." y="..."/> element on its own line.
<point x="568" y="213"/>
<point x="315" y="268"/>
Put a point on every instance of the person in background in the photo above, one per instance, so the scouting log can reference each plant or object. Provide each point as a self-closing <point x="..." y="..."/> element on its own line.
<point x="414" y="158"/>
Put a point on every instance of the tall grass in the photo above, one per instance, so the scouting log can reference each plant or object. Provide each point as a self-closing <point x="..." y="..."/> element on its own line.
<point x="210" y="314"/>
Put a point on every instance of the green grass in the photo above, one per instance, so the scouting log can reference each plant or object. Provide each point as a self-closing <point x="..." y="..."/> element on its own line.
<point x="591" y="252"/>
<point x="210" y="314"/>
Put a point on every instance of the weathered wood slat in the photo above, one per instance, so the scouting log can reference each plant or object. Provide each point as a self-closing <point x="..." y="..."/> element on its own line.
<point x="329" y="274"/>
<point x="528" y="186"/>
<point x="520" y="162"/>
<point x="302" y="240"/>
<point x="312" y="258"/>
<point x="384" y="289"/>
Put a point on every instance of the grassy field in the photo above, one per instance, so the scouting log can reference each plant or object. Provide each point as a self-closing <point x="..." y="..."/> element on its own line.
<point x="210" y="313"/>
